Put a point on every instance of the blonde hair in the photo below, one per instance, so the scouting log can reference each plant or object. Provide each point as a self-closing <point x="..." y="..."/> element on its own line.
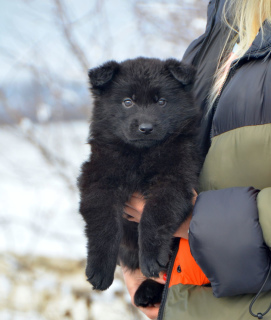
<point x="247" y="17"/>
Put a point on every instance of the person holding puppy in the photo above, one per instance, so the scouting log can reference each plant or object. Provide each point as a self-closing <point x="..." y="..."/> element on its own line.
<point x="229" y="229"/>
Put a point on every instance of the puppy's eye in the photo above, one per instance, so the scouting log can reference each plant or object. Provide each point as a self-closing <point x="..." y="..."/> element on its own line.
<point x="162" y="102"/>
<point x="127" y="103"/>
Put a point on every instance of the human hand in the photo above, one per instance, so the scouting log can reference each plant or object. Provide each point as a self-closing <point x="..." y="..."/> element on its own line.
<point x="134" y="208"/>
<point x="133" y="280"/>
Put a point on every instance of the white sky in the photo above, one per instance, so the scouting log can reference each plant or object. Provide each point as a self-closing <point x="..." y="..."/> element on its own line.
<point x="30" y="35"/>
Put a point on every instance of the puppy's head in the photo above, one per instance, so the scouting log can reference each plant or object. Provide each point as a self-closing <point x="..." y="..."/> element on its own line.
<point x="141" y="101"/>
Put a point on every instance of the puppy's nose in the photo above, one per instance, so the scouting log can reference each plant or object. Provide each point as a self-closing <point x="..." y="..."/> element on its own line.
<point x="145" y="128"/>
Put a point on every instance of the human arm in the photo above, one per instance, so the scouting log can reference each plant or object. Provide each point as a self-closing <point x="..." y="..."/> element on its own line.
<point x="264" y="208"/>
<point x="227" y="243"/>
<point x="135" y="206"/>
<point x="133" y="280"/>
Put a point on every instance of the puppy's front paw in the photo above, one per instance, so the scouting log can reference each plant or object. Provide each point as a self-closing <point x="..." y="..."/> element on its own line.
<point x="153" y="261"/>
<point x="100" y="275"/>
<point x="148" y="293"/>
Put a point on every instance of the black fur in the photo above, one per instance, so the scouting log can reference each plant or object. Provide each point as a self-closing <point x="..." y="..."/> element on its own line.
<point x="149" y="293"/>
<point x="148" y="146"/>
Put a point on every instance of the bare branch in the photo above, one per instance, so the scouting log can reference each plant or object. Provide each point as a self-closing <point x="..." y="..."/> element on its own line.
<point x="67" y="31"/>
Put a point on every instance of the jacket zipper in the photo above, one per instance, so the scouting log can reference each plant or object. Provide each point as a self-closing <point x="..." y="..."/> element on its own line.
<point x="165" y="292"/>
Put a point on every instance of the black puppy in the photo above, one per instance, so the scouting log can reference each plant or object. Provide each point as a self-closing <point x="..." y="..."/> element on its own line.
<point x="143" y="138"/>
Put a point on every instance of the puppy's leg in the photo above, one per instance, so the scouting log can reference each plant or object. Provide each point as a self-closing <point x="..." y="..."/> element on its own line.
<point x="128" y="253"/>
<point x="167" y="206"/>
<point x="148" y="293"/>
<point x="103" y="231"/>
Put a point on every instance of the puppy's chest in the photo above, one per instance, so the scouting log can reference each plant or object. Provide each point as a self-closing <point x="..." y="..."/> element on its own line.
<point x="146" y="170"/>
<point x="139" y="172"/>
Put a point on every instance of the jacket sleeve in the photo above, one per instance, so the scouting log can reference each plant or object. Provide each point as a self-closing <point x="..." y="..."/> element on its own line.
<point x="264" y="208"/>
<point x="226" y="239"/>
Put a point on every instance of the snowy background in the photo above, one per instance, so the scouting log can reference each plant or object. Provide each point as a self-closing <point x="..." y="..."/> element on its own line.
<point x="46" y="48"/>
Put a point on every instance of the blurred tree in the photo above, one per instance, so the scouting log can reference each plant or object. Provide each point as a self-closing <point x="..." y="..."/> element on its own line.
<point x="175" y="21"/>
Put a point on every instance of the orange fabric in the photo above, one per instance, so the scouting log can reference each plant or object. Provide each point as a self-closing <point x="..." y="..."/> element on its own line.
<point x="189" y="271"/>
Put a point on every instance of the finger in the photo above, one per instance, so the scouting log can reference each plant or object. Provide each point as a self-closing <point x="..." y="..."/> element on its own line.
<point x="131" y="214"/>
<point x="137" y="202"/>
<point x="195" y="197"/>
<point x="128" y="217"/>
<point x="194" y="192"/>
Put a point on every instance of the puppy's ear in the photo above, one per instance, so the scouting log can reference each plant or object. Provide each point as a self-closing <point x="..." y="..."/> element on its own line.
<point x="100" y="76"/>
<point x="182" y="72"/>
